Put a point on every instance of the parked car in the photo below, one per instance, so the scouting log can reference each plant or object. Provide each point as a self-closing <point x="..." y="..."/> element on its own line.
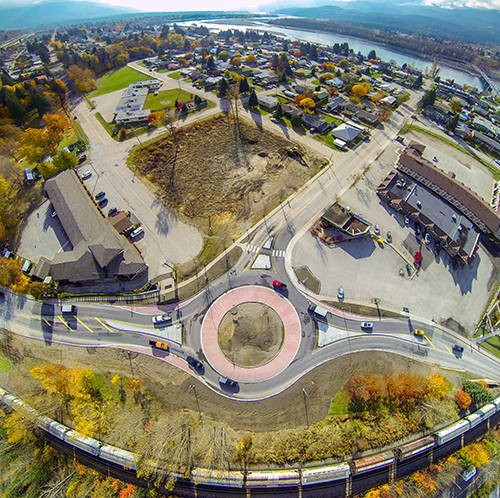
<point x="196" y="364"/>
<point x="407" y="220"/>
<point x="418" y="332"/>
<point x="54" y="214"/>
<point x="224" y="381"/>
<point x="136" y="232"/>
<point x="68" y="309"/>
<point x="340" y="293"/>
<point x="457" y="348"/>
<point x="418" y="258"/>
<point x="166" y="317"/>
<point x="86" y="175"/>
<point x="280" y="285"/>
<point x="102" y="202"/>
<point x="100" y="194"/>
<point x="377" y="230"/>
<point x="389" y="237"/>
<point x="427" y="238"/>
<point x="159" y="345"/>
<point x="82" y="159"/>
<point x="417" y="229"/>
<point x="367" y="326"/>
<point x="112" y="212"/>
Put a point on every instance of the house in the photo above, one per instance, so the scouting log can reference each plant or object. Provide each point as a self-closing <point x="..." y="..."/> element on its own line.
<point x="98" y="253"/>
<point x="334" y="104"/>
<point x="322" y="98"/>
<point x="301" y="89"/>
<point x="349" y="107"/>
<point x="335" y="83"/>
<point x="368" y="117"/>
<point x="390" y="101"/>
<point x="268" y="102"/>
<point x="346" y="132"/>
<point x="291" y="110"/>
<point x="318" y="124"/>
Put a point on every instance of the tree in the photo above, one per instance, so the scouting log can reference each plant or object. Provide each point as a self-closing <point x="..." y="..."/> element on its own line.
<point x="64" y="160"/>
<point x="278" y="113"/>
<point x="477" y="392"/>
<point x="253" y="101"/>
<point x="360" y="90"/>
<point x="83" y="79"/>
<point x="296" y="121"/>
<point x="418" y="82"/>
<point x="223" y="56"/>
<point x="428" y="99"/>
<point x="474" y="455"/>
<point x="456" y="106"/>
<point x="34" y="145"/>
<point x="307" y="103"/>
<point x="250" y="59"/>
<point x="463" y="400"/>
<point x="452" y="123"/>
<point x="210" y="62"/>
<point x="244" y="86"/>
<point x="236" y="62"/>
<point x="223" y="87"/>
<point x="372" y="55"/>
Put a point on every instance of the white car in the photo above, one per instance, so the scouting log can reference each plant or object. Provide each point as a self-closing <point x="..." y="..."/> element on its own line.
<point x="136" y="232"/>
<point x="367" y="326"/>
<point x="166" y="317"/>
<point x="86" y="175"/>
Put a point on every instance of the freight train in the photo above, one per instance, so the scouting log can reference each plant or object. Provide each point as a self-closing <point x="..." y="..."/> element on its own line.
<point x="291" y="478"/>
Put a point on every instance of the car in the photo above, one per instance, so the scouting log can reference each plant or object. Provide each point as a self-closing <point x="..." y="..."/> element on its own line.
<point x="457" y="348"/>
<point x="67" y="309"/>
<point x="82" y="159"/>
<point x="112" y="212"/>
<point x="367" y="326"/>
<point x="418" y="258"/>
<point x="340" y="293"/>
<point x="159" y="345"/>
<point x="418" y="332"/>
<point x="275" y="120"/>
<point x="166" y="317"/>
<point x="196" y="364"/>
<point x="427" y="238"/>
<point x="407" y="220"/>
<point x="498" y="161"/>
<point x="435" y="159"/>
<point x="377" y="230"/>
<point x="280" y="285"/>
<point x="54" y="214"/>
<point x="224" y="381"/>
<point x="389" y="237"/>
<point x="86" y="175"/>
<point x="136" y="232"/>
<point x="100" y="194"/>
<point x="102" y="202"/>
<point x="417" y="229"/>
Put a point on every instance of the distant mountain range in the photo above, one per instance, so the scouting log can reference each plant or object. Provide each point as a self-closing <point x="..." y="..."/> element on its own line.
<point x="475" y="25"/>
<point x="55" y="13"/>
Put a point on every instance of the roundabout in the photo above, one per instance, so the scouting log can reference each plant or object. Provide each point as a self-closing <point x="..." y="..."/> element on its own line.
<point x="246" y="366"/>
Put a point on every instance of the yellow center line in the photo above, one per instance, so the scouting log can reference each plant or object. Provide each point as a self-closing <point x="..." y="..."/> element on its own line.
<point x="448" y="349"/>
<point x="88" y="328"/>
<point x="430" y="342"/>
<point x="103" y="324"/>
<point x="63" y="321"/>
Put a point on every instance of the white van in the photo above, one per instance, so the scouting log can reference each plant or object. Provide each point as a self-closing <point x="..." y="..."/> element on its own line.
<point x="68" y="309"/>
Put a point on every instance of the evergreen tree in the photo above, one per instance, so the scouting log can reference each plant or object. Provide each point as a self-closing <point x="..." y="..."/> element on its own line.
<point x="210" y="63"/>
<point x="253" y="101"/>
<point x="244" y="86"/>
<point x="6" y="79"/>
<point x="285" y="46"/>
<point x="372" y="54"/>
<point x="283" y="79"/>
<point x="16" y="109"/>
<point x="223" y="87"/>
<point x="313" y="53"/>
<point x="452" y="123"/>
<point x="278" y="114"/>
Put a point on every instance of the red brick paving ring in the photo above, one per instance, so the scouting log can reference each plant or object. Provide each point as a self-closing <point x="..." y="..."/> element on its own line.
<point x="250" y="294"/>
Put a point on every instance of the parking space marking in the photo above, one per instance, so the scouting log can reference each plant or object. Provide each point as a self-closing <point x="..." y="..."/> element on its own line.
<point x="103" y="324"/>
<point x="48" y="323"/>
<point x="88" y="328"/>
<point x="64" y="321"/>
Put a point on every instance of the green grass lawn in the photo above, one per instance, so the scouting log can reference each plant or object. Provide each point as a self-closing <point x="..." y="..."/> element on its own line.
<point x="5" y="364"/>
<point x="492" y="345"/>
<point x="339" y="404"/>
<point x="176" y="75"/>
<point x="117" y="79"/>
<point x="70" y="137"/>
<point x="154" y="102"/>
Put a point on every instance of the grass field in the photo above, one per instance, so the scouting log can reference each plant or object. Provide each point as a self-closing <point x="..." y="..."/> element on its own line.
<point x="154" y="102"/>
<point x="492" y="345"/>
<point x="176" y="75"/>
<point x="117" y="79"/>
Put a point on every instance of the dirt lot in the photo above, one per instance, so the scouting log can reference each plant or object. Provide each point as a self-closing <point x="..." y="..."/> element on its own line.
<point x="223" y="175"/>
<point x="251" y="334"/>
<point x="171" y="386"/>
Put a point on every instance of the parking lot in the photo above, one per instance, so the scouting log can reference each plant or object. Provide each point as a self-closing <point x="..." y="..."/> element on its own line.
<point x="368" y="269"/>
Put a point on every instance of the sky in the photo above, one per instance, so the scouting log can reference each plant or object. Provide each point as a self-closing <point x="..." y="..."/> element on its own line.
<point x="253" y="5"/>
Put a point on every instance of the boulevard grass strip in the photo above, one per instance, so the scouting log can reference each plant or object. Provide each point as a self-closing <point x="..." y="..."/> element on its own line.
<point x="492" y="345"/>
<point x="408" y="127"/>
<point x="339" y="404"/>
<point x="308" y="279"/>
<point x="117" y="79"/>
<point x="363" y="310"/>
<point x="105" y="126"/>
<point x="217" y="270"/>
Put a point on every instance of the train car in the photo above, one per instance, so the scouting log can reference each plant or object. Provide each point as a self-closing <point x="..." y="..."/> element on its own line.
<point x="9" y="400"/>
<point x="414" y="448"/>
<point x="88" y="444"/>
<point x="273" y="478"/>
<point x="325" y="474"/>
<point x="452" y="431"/>
<point x="496" y="402"/>
<point x="117" y="455"/>
<point x="51" y="426"/>
<point x="23" y="408"/>
<point x="224" y="478"/>
<point x="373" y="462"/>
<point x="481" y="415"/>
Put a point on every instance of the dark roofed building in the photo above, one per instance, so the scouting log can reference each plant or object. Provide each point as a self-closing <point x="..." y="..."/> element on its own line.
<point x="456" y="193"/>
<point x="368" y="117"/>
<point x="98" y="251"/>
<point x="316" y="123"/>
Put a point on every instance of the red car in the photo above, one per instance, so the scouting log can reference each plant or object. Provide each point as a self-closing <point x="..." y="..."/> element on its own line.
<point x="418" y="258"/>
<point x="280" y="285"/>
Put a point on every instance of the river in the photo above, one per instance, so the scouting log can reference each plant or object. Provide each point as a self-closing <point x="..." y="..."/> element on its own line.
<point x="357" y="45"/>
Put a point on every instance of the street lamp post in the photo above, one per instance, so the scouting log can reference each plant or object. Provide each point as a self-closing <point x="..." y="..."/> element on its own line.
<point x="305" y="405"/>
<point x="192" y="387"/>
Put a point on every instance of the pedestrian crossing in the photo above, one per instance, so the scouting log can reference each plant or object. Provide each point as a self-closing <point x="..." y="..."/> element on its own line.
<point x="275" y="252"/>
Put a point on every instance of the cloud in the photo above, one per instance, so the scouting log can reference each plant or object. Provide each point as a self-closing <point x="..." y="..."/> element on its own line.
<point x="473" y="4"/>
